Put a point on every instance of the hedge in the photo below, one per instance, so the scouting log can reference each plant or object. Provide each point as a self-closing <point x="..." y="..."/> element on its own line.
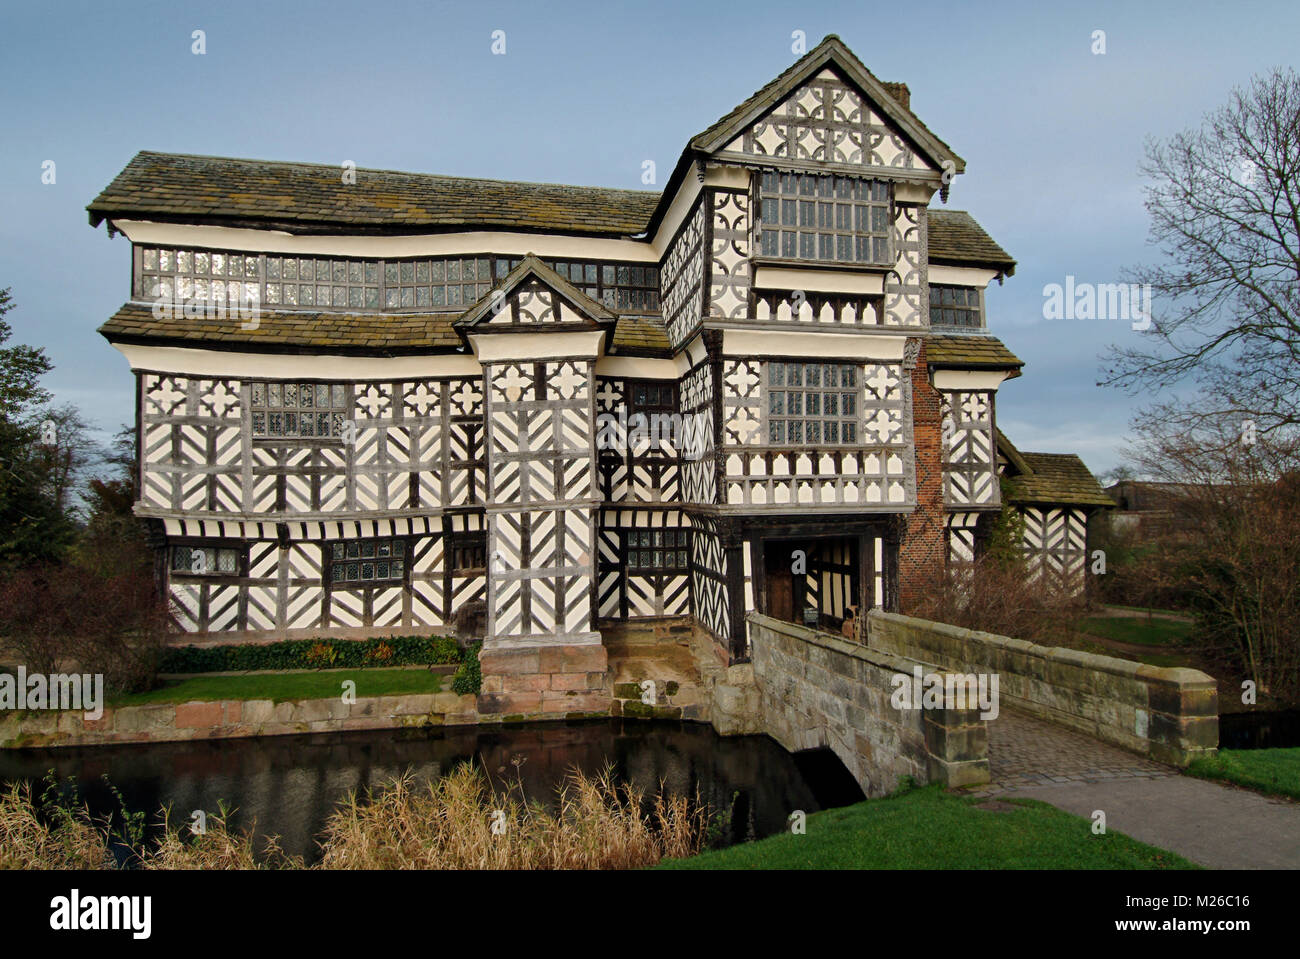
<point x="313" y="654"/>
<point x="469" y="678"/>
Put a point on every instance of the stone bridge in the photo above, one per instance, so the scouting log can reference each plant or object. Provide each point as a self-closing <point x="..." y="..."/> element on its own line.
<point x="818" y="690"/>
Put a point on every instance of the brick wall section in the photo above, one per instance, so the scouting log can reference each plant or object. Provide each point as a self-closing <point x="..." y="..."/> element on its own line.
<point x="921" y="552"/>
<point x="544" y="682"/>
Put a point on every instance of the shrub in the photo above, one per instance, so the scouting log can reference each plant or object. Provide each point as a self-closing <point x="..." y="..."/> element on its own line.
<point x="469" y="678"/>
<point x="298" y="654"/>
<point x="322" y="655"/>
<point x="381" y="655"/>
<point x="58" y="616"/>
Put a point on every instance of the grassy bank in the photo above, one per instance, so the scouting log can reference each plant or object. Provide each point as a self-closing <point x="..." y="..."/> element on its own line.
<point x="930" y="829"/>
<point x="1138" y="630"/>
<point x="1272" y="771"/>
<point x="283" y="687"/>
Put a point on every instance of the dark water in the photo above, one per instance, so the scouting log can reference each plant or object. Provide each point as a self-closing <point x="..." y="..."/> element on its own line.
<point x="289" y="785"/>
<point x="1269" y="729"/>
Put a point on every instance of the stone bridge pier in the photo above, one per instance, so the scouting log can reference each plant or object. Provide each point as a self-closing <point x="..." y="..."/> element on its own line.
<point x="818" y="690"/>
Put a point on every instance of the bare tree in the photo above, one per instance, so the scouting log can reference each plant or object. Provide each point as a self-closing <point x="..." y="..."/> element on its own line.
<point x="1224" y="202"/>
<point x="1235" y="553"/>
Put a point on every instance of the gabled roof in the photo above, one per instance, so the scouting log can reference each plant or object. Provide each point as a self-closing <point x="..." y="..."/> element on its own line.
<point x="831" y="52"/>
<point x="1050" y="479"/>
<point x="971" y="353"/>
<point x="956" y="239"/>
<point x="531" y="267"/>
<point x="312" y="197"/>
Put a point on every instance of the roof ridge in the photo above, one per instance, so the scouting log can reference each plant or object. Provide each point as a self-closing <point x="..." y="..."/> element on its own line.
<point x="334" y="167"/>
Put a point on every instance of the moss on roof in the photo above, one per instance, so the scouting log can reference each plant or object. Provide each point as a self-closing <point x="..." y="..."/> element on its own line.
<point x="307" y="196"/>
<point x="1050" y="479"/>
<point x="302" y="331"/>
<point x="290" y="331"/>
<point x="970" y="353"/>
<point x="956" y="238"/>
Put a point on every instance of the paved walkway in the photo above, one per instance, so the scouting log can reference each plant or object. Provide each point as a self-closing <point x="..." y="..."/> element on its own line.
<point x="1218" y="826"/>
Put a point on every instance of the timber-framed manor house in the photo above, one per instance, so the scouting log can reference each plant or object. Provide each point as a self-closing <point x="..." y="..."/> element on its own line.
<point x="371" y="404"/>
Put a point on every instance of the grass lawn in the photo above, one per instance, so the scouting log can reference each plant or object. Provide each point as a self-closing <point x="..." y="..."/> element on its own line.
<point x="1275" y="771"/>
<point x="929" y="829"/>
<point x="1125" y="629"/>
<point x="281" y="687"/>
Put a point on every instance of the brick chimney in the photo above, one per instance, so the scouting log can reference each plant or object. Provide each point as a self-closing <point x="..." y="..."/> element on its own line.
<point x="900" y="93"/>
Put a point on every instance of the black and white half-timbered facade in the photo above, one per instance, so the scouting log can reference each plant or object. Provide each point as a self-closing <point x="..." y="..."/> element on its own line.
<point x="373" y="401"/>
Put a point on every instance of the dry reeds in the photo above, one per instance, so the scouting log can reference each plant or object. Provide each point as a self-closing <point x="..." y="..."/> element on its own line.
<point x="457" y="822"/>
<point x="460" y="822"/>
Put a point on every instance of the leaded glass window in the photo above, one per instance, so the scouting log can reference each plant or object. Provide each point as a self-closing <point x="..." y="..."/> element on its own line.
<point x="621" y="287"/>
<point x="323" y="283"/>
<point x="212" y="279"/>
<point x="812" y="404"/>
<point x="657" y="550"/>
<point x="367" y="561"/>
<point x="443" y="284"/>
<point x="955" y="306"/>
<point x="296" y="410"/>
<point x="422" y="284"/>
<point x="833" y="219"/>
<point x="205" y="561"/>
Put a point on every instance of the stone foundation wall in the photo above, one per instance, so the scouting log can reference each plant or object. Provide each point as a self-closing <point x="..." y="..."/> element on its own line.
<point x="545" y="682"/>
<point x="819" y="690"/>
<point x="231" y="719"/>
<point x="1170" y="715"/>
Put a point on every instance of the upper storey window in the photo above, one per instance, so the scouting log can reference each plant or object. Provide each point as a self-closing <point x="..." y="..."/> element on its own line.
<point x="955" y="306"/>
<point x="425" y="284"/>
<point x="830" y="219"/>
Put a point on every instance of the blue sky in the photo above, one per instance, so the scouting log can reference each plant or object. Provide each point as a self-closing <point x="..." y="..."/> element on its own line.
<point x="1052" y="134"/>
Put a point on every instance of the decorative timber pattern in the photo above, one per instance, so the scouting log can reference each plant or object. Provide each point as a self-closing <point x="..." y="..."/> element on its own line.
<point x="542" y="525"/>
<point x="682" y="278"/>
<point x="709" y="578"/>
<point x="630" y="590"/>
<point x="828" y="121"/>
<point x="961" y="537"/>
<point x="729" y="269"/>
<point x="699" y="482"/>
<point x="878" y="472"/>
<point x="906" y="301"/>
<point x="1056" y="544"/>
<point x="405" y="445"/>
<point x="969" y="462"/>
<point x="831" y="309"/>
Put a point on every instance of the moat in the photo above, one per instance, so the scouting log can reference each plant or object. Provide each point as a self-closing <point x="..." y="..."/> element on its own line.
<point x="287" y="786"/>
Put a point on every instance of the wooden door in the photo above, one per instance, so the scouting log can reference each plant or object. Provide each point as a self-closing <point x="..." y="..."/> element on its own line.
<point x="780" y="595"/>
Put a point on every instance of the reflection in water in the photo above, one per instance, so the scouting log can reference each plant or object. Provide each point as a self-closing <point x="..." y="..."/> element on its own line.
<point x="288" y="785"/>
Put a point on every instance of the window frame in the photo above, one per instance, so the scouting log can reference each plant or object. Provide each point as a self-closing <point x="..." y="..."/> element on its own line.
<point x="784" y="418"/>
<point x="609" y="290"/>
<point x="679" y="550"/>
<point x="332" y="561"/>
<point x="215" y="548"/>
<point x="280" y="439"/>
<point x="463" y="544"/>
<point x="762" y="194"/>
<point x="976" y="311"/>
